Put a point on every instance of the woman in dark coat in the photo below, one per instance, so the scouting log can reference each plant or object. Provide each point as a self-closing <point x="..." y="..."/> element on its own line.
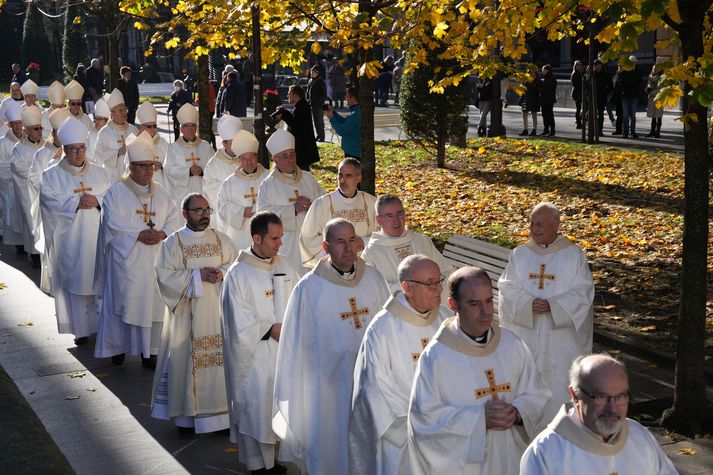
<point x="178" y="97"/>
<point x="299" y="124"/>
<point x="576" y="80"/>
<point x="530" y="104"/>
<point x="548" y="98"/>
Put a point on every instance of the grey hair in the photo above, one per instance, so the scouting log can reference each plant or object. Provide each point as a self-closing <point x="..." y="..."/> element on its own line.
<point x="384" y="200"/>
<point x="549" y="206"/>
<point x="333" y="224"/>
<point x="468" y="273"/>
<point x="178" y="82"/>
<point x="580" y="369"/>
<point x="410" y="264"/>
<point x="351" y="161"/>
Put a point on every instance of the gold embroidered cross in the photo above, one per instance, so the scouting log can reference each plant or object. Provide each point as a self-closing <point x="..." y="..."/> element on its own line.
<point x="542" y="276"/>
<point x="416" y="356"/>
<point x="122" y="141"/>
<point x="355" y="313"/>
<point x="193" y="159"/>
<point x="493" y="389"/>
<point x="252" y="195"/>
<point x="268" y="293"/>
<point x="146" y="214"/>
<point x="297" y="195"/>
<point x="82" y="188"/>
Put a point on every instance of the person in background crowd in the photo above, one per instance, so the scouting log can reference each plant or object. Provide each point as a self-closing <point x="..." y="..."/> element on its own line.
<point x="179" y="96"/>
<point x="652" y="111"/>
<point x="576" y="80"/>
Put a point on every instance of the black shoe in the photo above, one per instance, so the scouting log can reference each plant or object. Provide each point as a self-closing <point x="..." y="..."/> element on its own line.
<point x="545" y="132"/>
<point x="578" y="126"/>
<point x="82" y="340"/>
<point x="149" y="362"/>
<point x="634" y="135"/>
<point x="616" y="132"/>
<point x="625" y="136"/>
<point x="533" y="133"/>
<point x="650" y="134"/>
<point x="118" y="359"/>
<point x="35" y="261"/>
<point x="524" y="133"/>
<point x="657" y="134"/>
<point x="20" y="250"/>
<point x="186" y="431"/>
<point x="552" y="133"/>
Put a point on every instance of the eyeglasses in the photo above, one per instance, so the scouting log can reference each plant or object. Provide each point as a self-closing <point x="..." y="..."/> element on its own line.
<point x="75" y="103"/>
<point x="603" y="399"/>
<point x="38" y="127"/>
<point x="150" y="126"/>
<point x="430" y="285"/>
<point x="78" y="149"/>
<point x="144" y="166"/>
<point x="200" y="212"/>
<point x="399" y="215"/>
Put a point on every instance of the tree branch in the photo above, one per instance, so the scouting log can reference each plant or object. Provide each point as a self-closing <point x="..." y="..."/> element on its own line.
<point x="671" y="23"/>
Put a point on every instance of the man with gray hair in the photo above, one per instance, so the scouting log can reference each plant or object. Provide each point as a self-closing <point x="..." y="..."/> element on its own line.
<point x="326" y="317"/>
<point x="385" y="367"/>
<point x="546" y="296"/>
<point x="592" y="435"/>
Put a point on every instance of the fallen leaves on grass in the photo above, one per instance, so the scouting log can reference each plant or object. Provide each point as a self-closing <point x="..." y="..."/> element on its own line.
<point x="687" y="451"/>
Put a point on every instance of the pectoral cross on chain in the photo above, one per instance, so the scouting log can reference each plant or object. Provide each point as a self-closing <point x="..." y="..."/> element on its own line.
<point x="297" y="195"/>
<point x="493" y="389"/>
<point x="147" y="215"/>
<point x="82" y="188"/>
<point x="252" y="195"/>
<point x="122" y="141"/>
<point x="193" y="159"/>
<point x="354" y="313"/>
<point x="416" y="356"/>
<point x="542" y="276"/>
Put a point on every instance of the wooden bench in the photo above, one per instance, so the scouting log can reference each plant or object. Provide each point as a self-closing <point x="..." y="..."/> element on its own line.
<point x="461" y="251"/>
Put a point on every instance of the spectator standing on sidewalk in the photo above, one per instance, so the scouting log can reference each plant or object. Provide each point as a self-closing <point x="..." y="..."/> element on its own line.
<point x="576" y="80"/>
<point x="348" y="127"/>
<point x="530" y="103"/>
<point x="603" y="86"/>
<point x="630" y="91"/>
<point x="653" y="112"/>
<point x="299" y="124"/>
<point x="485" y="102"/>
<point x="548" y="98"/>
<point x="130" y="89"/>
<point x="316" y="95"/>
<point x="179" y="96"/>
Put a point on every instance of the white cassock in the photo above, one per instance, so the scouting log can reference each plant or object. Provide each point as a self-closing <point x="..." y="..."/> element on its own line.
<point x="46" y="124"/>
<point x="358" y="210"/>
<point x="254" y="298"/>
<point x="20" y="163"/>
<point x="566" y="447"/>
<point x="560" y="274"/>
<point x="71" y="242"/>
<point x="454" y="380"/>
<point x="189" y="382"/>
<point x="383" y="375"/>
<point x="386" y="253"/>
<point x="92" y="136"/>
<point x="7" y="189"/>
<point x="180" y="158"/>
<point x="324" y="324"/>
<point x="278" y="193"/>
<point x="219" y="167"/>
<point x="110" y="139"/>
<point x="238" y="191"/>
<point x="45" y="157"/>
<point x="132" y="308"/>
<point x="160" y="150"/>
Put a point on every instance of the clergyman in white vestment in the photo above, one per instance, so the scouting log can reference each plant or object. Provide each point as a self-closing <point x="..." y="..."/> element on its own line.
<point x="288" y="192"/>
<point x="546" y="296"/>
<point x="254" y="298"/>
<point x="71" y="195"/>
<point x="7" y="189"/>
<point x="224" y="161"/>
<point x="326" y="317"/>
<point x="592" y="435"/>
<point x="137" y="214"/>
<point x="346" y="202"/>
<point x="147" y="117"/>
<point x="110" y="148"/>
<point x="189" y="384"/>
<point x="477" y="398"/>
<point x="385" y="367"/>
<point x="101" y="117"/>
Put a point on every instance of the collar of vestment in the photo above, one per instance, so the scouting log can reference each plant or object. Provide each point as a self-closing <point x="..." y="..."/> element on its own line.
<point x="49" y="142"/>
<point x="222" y="155"/>
<point x="448" y="335"/>
<point x="53" y="148"/>
<point x="188" y="144"/>
<point x="26" y="141"/>
<point x="10" y="135"/>
<point x="156" y="138"/>
<point x="290" y="180"/>
<point x="560" y="243"/>
<point x="79" y="115"/>
<point x="379" y="238"/>
<point x="247" y="257"/>
<point x="325" y="271"/>
<point x="250" y="176"/>
<point x="119" y="128"/>
<point x="399" y="310"/>
<point x="575" y="432"/>
<point x="72" y="170"/>
<point x="187" y="230"/>
<point x="136" y="188"/>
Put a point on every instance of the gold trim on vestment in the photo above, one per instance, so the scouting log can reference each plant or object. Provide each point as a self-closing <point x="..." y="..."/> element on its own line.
<point x="119" y="128"/>
<point x="448" y="335"/>
<point x="187" y="144"/>
<point x="247" y="258"/>
<point x="395" y="307"/>
<point x="134" y="187"/>
<point x="225" y="157"/>
<point x="252" y="176"/>
<point x="585" y="439"/>
<point x="286" y="179"/>
<point x="562" y="243"/>
<point x="324" y="270"/>
<point x="66" y="166"/>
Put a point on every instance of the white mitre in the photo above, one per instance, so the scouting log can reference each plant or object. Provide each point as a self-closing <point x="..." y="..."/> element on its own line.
<point x="13" y="111"/>
<point x="72" y="131"/>
<point x="116" y="98"/>
<point x="29" y="87"/>
<point x="31" y="116"/>
<point x="58" y="116"/>
<point x="55" y="93"/>
<point x="228" y="126"/>
<point x="146" y="113"/>
<point x="140" y="148"/>
<point x="244" y="142"/>
<point x="74" y="91"/>
<point x="187" y="114"/>
<point x="279" y="141"/>
<point x="101" y="109"/>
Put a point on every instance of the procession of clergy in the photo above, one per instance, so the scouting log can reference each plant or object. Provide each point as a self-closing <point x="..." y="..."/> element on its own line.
<point x="310" y="321"/>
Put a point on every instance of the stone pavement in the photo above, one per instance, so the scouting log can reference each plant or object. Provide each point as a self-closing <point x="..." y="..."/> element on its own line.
<point x="98" y="414"/>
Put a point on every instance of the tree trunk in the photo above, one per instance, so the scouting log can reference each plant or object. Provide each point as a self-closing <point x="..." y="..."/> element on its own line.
<point x="690" y="411"/>
<point x="205" y="119"/>
<point x="366" y="103"/>
<point x="258" y="121"/>
<point x="441" y="151"/>
<point x="497" y="129"/>
<point x="112" y="59"/>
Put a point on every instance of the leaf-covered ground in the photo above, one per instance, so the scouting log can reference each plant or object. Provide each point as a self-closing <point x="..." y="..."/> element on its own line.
<point x="623" y="207"/>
